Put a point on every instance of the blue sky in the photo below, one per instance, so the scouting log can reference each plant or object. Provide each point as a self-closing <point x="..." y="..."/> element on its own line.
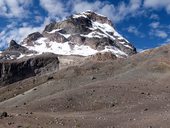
<point x="145" y="23"/>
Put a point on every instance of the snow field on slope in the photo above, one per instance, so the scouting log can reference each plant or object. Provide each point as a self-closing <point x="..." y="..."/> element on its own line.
<point x="69" y="49"/>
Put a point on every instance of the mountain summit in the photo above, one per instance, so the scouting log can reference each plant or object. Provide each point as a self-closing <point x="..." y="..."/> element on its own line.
<point x="82" y="34"/>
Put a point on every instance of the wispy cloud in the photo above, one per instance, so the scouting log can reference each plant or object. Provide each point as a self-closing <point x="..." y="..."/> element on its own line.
<point x="157" y="4"/>
<point x="14" y="32"/>
<point x="159" y="30"/>
<point x="168" y="40"/>
<point x="134" y="30"/>
<point x="154" y="17"/>
<point x="115" y="13"/>
<point x="154" y="25"/>
<point x="54" y="8"/>
<point x="14" y="8"/>
<point x="161" y="34"/>
<point x="158" y="33"/>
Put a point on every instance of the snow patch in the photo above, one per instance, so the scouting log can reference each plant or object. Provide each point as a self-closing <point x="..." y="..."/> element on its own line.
<point x="66" y="48"/>
<point x="128" y="46"/>
<point x="79" y="15"/>
<point x="21" y="56"/>
<point x="69" y="48"/>
<point x="105" y="27"/>
<point x="26" y="55"/>
<point x="65" y="35"/>
<point x="55" y="30"/>
<point x="101" y="27"/>
<point x="94" y="35"/>
<point x="115" y="51"/>
<point x="88" y="12"/>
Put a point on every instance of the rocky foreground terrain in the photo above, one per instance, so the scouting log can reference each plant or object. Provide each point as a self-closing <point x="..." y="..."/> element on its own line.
<point x="131" y="92"/>
<point x="101" y="90"/>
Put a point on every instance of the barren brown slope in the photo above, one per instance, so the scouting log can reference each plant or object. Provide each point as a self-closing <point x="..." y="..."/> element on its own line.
<point x="123" y="93"/>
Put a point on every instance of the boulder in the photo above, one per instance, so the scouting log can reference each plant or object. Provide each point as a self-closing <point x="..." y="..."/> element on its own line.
<point x="3" y="114"/>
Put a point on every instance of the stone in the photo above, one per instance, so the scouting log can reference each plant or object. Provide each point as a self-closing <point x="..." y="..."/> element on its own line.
<point x="3" y="114"/>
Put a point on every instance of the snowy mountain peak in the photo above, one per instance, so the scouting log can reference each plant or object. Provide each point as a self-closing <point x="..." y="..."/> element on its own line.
<point x="84" y="34"/>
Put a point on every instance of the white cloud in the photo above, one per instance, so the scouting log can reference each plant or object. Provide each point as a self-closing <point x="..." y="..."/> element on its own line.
<point x="12" y="32"/>
<point x="161" y="34"/>
<point x="14" y="8"/>
<point x="154" y="25"/>
<point x="81" y="6"/>
<point x="157" y="4"/>
<point x="54" y="7"/>
<point x="154" y="17"/>
<point x="134" y="5"/>
<point x="134" y="30"/>
<point x="168" y="40"/>
<point x="116" y="14"/>
<point x="16" y="34"/>
<point x="38" y="19"/>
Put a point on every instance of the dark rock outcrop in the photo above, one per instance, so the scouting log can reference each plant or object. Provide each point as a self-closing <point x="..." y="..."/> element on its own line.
<point x="55" y="37"/>
<point x="13" y="46"/>
<point x="99" y="18"/>
<point x="15" y="70"/>
<point x="71" y="25"/>
<point x="14" y="51"/>
<point x="32" y="37"/>
<point x="95" y="43"/>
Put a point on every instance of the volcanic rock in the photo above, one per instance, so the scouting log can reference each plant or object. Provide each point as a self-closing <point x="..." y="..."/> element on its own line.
<point x="15" y="70"/>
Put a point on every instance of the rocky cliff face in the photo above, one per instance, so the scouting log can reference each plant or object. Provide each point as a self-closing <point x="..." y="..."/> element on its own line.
<point x="81" y="34"/>
<point x="15" y="70"/>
